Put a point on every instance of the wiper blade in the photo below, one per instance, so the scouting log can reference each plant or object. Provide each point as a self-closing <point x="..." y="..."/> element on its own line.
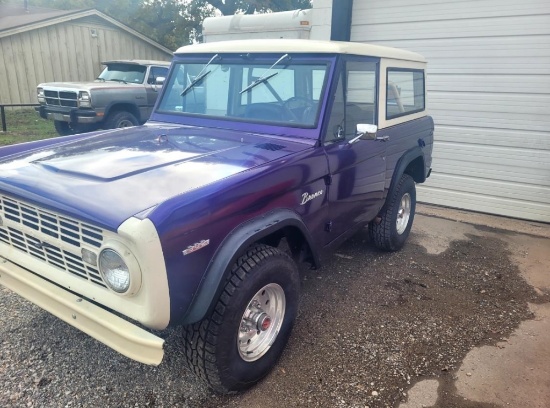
<point x="265" y="76"/>
<point x="201" y="75"/>
<point x="100" y="79"/>
<point x="118" y="80"/>
<point x="258" y="81"/>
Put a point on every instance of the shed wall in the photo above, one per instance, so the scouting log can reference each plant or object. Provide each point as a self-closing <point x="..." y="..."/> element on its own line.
<point x="488" y="91"/>
<point x="64" y="52"/>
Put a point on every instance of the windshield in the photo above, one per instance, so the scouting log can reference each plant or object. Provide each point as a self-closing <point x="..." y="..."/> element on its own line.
<point x="127" y="73"/>
<point x="278" y="89"/>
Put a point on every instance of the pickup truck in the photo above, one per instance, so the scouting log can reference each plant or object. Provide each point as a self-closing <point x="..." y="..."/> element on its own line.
<point x="122" y="95"/>
<point x="259" y="156"/>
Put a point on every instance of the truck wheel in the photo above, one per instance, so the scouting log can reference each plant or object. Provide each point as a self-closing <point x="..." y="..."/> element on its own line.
<point x="394" y="228"/>
<point x="120" y="120"/>
<point x="62" y="128"/>
<point x="239" y="342"/>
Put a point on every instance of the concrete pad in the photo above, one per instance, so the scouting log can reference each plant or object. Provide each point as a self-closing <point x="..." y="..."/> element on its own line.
<point x="422" y="395"/>
<point x="435" y="234"/>
<point x="516" y="373"/>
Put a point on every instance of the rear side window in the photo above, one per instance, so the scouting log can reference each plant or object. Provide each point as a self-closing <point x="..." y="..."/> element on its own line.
<point x="405" y="92"/>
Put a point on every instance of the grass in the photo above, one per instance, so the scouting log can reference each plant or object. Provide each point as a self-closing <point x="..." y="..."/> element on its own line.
<point x="24" y="126"/>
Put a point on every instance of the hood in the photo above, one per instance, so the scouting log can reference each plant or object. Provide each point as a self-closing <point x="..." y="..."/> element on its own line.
<point x="108" y="177"/>
<point x="86" y="86"/>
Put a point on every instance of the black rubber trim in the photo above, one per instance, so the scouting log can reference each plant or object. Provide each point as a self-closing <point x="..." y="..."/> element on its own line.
<point x="232" y="247"/>
<point x="400" y="167"/>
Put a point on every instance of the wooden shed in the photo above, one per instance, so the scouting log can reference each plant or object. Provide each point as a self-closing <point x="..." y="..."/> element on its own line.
<point x="45" y="45"/>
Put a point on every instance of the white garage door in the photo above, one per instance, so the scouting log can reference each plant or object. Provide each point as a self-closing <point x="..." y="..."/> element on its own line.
<point x="489" y="93"/>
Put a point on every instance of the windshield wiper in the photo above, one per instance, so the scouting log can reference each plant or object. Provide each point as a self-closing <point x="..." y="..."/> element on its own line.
<point x="100" y="79"/>
<point x="118" y="80"/>
<point x="199" y="77"/>
<point x="265" y="77"/>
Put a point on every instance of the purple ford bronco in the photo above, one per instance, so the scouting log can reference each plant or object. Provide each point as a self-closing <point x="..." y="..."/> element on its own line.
<point x="259" y="155"/>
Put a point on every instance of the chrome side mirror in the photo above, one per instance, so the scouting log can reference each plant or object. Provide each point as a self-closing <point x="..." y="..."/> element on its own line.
<point x="364" y="131"/>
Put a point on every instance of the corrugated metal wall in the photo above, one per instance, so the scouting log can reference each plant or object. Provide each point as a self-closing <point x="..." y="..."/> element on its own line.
<point x="64" y="52"/>
<point x="489" y="93"/>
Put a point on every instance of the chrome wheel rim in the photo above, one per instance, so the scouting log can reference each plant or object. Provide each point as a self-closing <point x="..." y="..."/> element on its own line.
<point x="403" y="214"/>
<point x="261" y="322"/>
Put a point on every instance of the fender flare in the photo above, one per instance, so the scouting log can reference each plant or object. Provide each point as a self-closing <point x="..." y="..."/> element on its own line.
<point x="231" y="248"/>
<point x="400" y="168"/>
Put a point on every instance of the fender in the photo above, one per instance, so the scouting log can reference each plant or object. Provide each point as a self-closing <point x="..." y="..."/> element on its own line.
<point x="400" y="167"/>
<point x="232" y="247"/>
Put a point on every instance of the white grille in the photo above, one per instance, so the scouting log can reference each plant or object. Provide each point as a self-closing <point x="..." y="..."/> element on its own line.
<point x="54" y="239"/>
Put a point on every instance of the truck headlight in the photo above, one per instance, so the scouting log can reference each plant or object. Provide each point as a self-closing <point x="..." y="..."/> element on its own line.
<point x="40" y="95"/>
<point x="84" y="99"/>
<point x="119" y="269"/>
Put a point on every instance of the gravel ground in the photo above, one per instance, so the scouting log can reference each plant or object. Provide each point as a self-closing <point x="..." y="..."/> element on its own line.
<point x="370" y="325"/>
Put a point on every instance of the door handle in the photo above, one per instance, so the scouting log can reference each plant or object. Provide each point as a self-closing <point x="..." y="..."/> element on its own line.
<point x="382" y="138"/>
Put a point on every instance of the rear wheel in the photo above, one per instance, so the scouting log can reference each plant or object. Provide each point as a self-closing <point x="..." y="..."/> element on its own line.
<point x="241" y="340"/>
<point x="120" y="119"/>
<point x="396" y="220"/>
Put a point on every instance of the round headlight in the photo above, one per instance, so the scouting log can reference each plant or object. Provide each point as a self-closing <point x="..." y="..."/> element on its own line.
<point x="114" y="270"/>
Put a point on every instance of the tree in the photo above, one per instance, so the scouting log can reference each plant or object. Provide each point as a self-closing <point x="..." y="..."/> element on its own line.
<point x="168" y="22"/>
<point x="227" y="7"/>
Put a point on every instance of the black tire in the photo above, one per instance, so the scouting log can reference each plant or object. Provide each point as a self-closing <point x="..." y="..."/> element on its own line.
<point x="211" y="346"/>
<point x="393" y="229"/>
<point x="62" y="128"/>
<point x="66" y="129"/>
<point x="120" y="119"/>
<point x="83" y="128"/>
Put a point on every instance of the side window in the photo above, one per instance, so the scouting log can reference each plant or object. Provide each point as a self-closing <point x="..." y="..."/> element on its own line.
<point x="361" y="94"/>
<point x="335" y="130"/>
<point x="156" y="72"/>
<point x="405" y="92"/>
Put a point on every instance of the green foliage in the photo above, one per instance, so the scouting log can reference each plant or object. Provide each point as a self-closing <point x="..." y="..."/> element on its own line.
<point x="168" y="22"/>
<point x="24" y="125"/>
<point x="228" y="7"/>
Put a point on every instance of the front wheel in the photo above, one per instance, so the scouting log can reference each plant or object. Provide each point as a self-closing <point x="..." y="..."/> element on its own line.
<point x="241" y="340"/>
<point x="62" y="128"/>
<point x="396" y="220"/>
<point x="120" y="119"/>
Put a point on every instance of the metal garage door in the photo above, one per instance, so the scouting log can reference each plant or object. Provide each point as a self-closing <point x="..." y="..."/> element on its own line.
<point x="489" y="93"/>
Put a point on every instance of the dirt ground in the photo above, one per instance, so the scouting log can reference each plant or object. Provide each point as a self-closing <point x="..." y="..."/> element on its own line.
<point x="458" y="318"/>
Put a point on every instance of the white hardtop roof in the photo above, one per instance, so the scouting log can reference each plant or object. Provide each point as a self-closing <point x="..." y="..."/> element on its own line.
<point x="300" y="46"/>
<point x="137" y="62"/>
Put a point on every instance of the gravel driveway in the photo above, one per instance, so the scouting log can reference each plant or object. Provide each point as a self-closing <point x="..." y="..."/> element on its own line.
<point x="370" y="325"/>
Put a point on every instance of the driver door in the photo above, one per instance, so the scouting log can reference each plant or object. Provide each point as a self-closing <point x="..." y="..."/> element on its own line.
<point x="357" y="168"/>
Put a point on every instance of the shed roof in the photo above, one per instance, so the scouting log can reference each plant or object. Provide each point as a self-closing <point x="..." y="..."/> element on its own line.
<point x="15" y="15"/>
<point x="15" y="19"/>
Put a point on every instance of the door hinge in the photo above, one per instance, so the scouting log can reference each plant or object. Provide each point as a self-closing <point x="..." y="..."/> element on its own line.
<point x="328" y="179"/>
<point x="328" y="226"/>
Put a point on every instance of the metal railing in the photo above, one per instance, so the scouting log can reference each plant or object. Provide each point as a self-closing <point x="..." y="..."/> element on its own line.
<point x="3" y="112"/>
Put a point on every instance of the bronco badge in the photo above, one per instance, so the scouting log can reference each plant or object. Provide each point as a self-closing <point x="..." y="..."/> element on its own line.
<point x="308" y="197"/>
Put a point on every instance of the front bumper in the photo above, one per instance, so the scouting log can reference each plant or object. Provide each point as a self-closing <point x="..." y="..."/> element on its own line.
<point x="113" y="331"/>
<point x="68" y="115"/>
